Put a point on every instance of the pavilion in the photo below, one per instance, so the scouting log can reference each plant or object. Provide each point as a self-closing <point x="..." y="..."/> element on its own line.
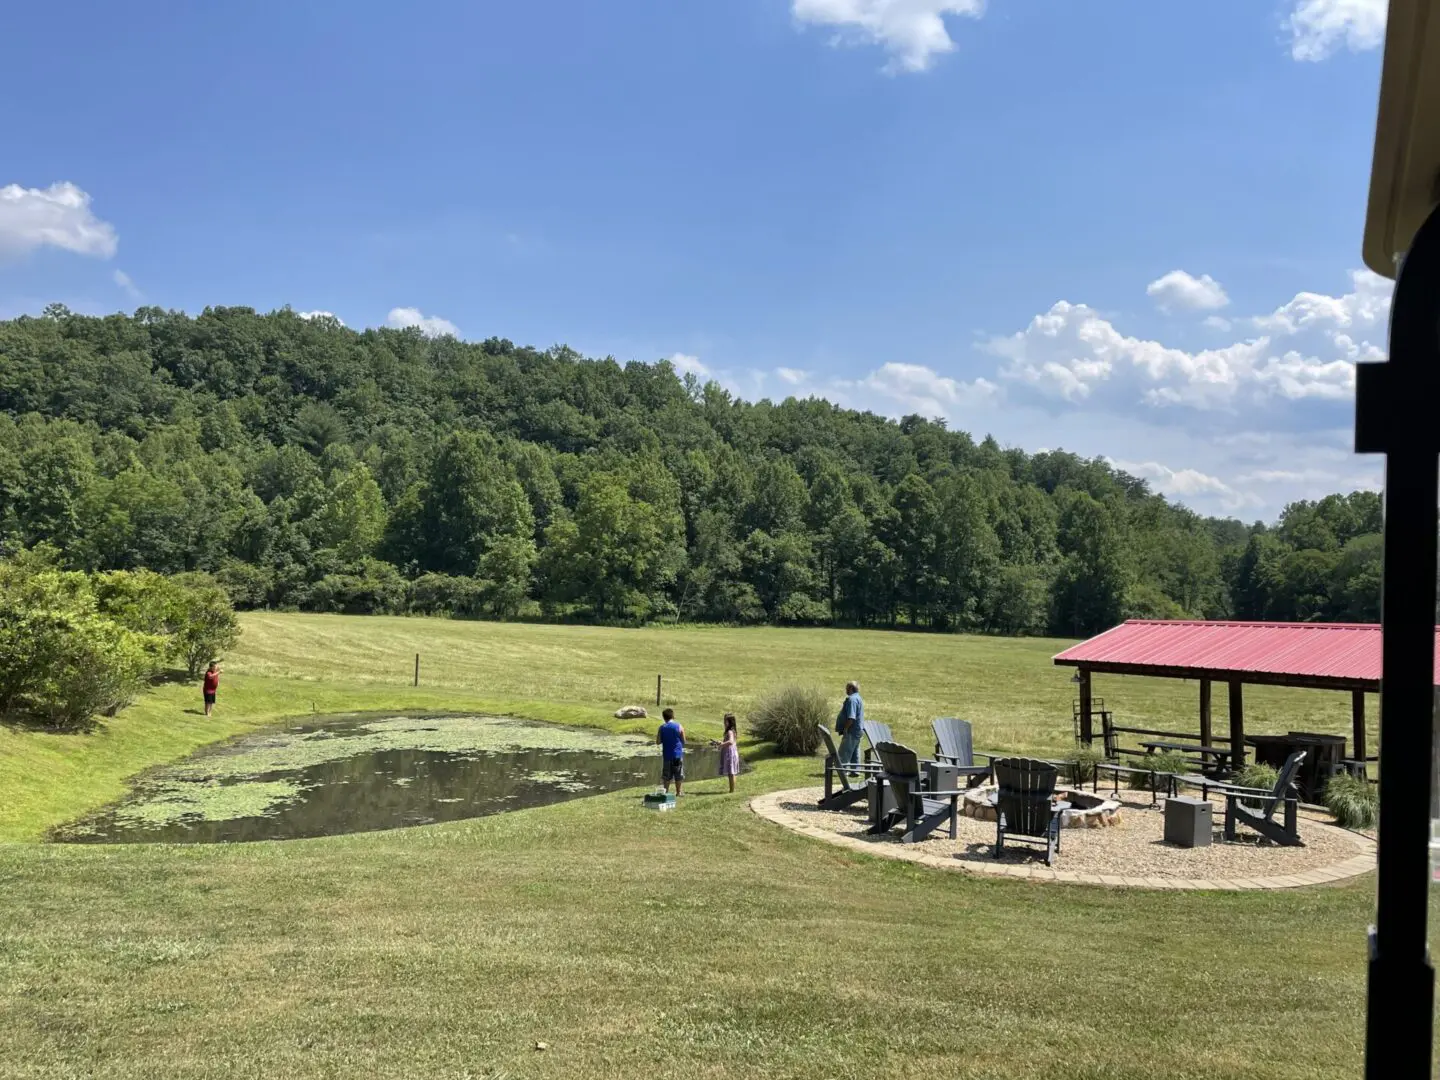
<point x="1320" y="656"/>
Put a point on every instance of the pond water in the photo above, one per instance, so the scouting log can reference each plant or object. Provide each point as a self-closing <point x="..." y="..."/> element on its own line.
<point x="359" y="773"/>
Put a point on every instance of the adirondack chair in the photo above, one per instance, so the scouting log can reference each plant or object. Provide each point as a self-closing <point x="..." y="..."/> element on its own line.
<point x="875" y="733"/>
<point x="953" y="747"/>
<point x="1262" y="819"/>
<point x="1023" y="810"/>
<point x="921" y="811"/>
<point x="850" y="790"/>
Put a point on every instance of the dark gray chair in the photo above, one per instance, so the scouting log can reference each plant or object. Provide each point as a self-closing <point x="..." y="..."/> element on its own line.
<point x="1023" y="807"/>
<point x="875" y="733"/>
<point x="954" y="747"/>
<point x="922" y="811"/>
<point x="849" y="791"/>
<point x="1261" y="818"/>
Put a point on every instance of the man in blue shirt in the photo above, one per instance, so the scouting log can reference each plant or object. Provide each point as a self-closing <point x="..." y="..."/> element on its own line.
<point x="671" y="738"/>
<point x="848" y="724"/>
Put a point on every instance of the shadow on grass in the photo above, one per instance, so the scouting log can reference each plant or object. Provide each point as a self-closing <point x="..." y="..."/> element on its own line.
<point x="18" y="721"/>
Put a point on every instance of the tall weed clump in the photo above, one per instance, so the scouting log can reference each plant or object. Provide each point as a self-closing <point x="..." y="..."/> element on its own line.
<point x="789" y="718"/>
<point x="1355" y="802"/>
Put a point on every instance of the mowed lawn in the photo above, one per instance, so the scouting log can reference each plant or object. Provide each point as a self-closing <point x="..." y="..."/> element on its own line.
<point x="701" y="943"/>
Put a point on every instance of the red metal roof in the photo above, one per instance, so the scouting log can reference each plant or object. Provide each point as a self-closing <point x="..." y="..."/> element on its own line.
<point x="1308" y="653"/>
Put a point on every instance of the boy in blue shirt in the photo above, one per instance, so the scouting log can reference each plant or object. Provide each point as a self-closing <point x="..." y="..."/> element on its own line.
<point x="671" y="738"/>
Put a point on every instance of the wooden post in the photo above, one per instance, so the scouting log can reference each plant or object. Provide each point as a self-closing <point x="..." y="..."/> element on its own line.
<point x="1237" y="726"/>
<point x="1357" y="720"/>
<point x="659" y="682"/>
<point x="417" y="669"/>
<point x="1087" y="722"/>
<point x="1205" y="726"/>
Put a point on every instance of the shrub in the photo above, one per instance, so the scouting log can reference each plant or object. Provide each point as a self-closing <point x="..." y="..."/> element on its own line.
<point x="1256" y="775"/>
<point x="249" y="586"/>
<point x="1168" y="761"/>
<point x="374" y="588"/>
<point x="802" y="609"/>
<point x="1354" y="801"/>
<point x="207" y="623"/>
<point x="789" y="718"/>
<point x="442" y="594"/>
<point x="73" y="645"/>
<point x="1083" y="762"/>
<point x="99" y="669"/>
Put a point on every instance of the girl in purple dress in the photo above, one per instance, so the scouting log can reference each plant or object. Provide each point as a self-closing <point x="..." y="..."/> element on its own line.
<point x="730" y="751"/>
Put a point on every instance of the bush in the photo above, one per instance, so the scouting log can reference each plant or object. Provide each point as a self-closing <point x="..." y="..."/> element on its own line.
<point x="207" y="624"/>
<point x="73" y="645"/>
<point x="1169" y="761"/>
<point x="249" y="586"/>
<point x="1354" y="801"/>
<point x="442" y="594"/>
<point x="1083" y="762"/>
<point x="374" y="588"/>
<point x="99" y="669"/>
<point x="790" y="718"/>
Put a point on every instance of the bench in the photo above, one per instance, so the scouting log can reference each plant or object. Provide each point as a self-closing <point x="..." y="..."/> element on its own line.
<point x="1115" y="768"/>
<point x="1202" y="754"/>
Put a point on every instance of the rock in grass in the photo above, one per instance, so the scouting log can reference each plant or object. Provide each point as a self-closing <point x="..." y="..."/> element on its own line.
<point x="631" y="712"/>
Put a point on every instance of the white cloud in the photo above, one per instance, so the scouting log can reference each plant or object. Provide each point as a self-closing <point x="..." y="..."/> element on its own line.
<point x="402" y="318"/>
<point x="1329" y="477"/>
<point x="308" y="315"/>
<point x="1367" y="304"/>
<point x="1188" y="483"/>
<point x="919" y="389"/>
<point x="1307" y="351"/>
<point x="57" y="216"/>
<point x="913" y="32"/>
<point x="793" y="376"/>
<point x="1217" y="322"/>
<point x="1185" y="292"/>
<point x="1320" y="28"/>
<point x="126" y="285"/>
<point x="685" y="364"/>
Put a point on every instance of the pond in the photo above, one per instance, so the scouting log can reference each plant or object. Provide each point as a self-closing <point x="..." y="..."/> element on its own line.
<point x="361" y="773"/>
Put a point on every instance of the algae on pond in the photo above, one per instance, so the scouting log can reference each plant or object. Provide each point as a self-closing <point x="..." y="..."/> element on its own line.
<point x="356" y="774"/>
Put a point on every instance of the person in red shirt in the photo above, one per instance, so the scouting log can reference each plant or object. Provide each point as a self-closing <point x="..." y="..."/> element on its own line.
<point x="212" y="684"/>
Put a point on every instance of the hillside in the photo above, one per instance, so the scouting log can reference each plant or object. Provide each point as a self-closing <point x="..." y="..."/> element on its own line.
<point x="312" y="466"/>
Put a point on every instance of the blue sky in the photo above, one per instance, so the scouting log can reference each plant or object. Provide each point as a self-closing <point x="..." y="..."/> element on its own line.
<point x="1127" y="228"/>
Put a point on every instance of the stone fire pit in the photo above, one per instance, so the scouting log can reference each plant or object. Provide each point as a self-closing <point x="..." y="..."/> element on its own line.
<point x="1086" y="811"/>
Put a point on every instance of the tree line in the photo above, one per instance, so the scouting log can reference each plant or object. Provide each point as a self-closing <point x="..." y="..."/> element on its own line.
<point x="308" y="465"/>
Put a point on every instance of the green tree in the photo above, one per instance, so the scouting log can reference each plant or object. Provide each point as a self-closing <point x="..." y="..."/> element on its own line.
<point x="1094" y="578"/>
<point x="352" y="519"/>
<point x="617" y="552"/>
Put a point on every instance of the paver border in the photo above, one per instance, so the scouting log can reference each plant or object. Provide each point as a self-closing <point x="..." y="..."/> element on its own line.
<point x="768" y="807"/>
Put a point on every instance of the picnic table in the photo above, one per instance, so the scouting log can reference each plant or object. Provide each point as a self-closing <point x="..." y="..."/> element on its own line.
<point x="1221" y="754"/>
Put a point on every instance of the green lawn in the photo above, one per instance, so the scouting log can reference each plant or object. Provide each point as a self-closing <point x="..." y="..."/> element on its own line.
<point x="702" y="943"/>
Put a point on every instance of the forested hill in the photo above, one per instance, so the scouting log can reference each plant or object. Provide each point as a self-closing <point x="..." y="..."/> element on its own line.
<point x="309" y="465"/>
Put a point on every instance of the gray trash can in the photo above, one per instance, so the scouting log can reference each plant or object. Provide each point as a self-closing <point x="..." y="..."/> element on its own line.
<point x="1188" y="822"/>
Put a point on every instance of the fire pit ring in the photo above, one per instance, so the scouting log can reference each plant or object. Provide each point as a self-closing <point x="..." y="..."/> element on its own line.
<point x="1087" y="810"/>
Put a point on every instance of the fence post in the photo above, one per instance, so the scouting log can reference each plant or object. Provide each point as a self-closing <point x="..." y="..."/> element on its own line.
<point x="417" y="669"/>
<point x="659" y="682"/>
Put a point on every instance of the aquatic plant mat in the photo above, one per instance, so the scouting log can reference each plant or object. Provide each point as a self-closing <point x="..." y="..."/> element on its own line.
<point x="360" y="773"/>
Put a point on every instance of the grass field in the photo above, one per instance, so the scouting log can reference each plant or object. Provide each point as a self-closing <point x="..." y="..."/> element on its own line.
<point x="703" y="943"/>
